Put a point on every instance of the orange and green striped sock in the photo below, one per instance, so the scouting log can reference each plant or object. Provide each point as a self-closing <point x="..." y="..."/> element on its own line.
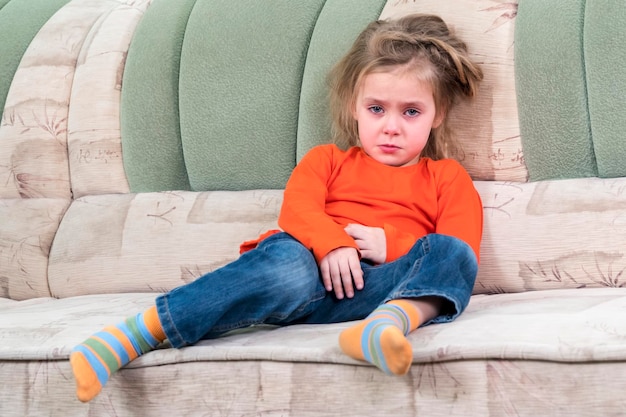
<point x="380" y="339"/>
<point x="98" y="357"/>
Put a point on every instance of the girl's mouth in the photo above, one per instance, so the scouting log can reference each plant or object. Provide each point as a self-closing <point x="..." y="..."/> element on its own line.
<point x="386" y="148"/>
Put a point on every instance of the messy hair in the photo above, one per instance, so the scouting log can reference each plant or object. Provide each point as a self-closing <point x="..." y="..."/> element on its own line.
<point x="425" y="46"/>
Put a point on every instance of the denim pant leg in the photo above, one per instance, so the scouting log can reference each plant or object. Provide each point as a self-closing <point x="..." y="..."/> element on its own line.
<point x="275" y="283"/>
<point x="437" y="265"/>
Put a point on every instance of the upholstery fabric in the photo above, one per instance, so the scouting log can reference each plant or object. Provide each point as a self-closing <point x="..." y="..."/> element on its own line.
<point x="27" y="230"/>
<point x="94" y="139"/>
<point x="150" y="122"/>
<point x="492" y="388"/>
<point x="154" y="242"/>
<point x="503" y="350"/>
<point x="3" y="3"/>
<point x="573" y="51"/>
<point x="33" y="131"/>
<point x="604" y="52"/>
<point x="19" y="22"/>
<point x="538" y="236"/>
<point x="240" y="85"/>
<point x="552" y="91"/>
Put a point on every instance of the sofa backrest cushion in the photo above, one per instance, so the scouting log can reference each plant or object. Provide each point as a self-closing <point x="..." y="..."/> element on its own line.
<point x="569" y="60"/>
<point x="549" y="57"/>
<point x="150" y="119"/>
<point x="44" y="157"/>
<point x="236" y="94"/>
<point x="20" y="20"/>
<point x="604" y="34"/>
<point x="239" y="91"/>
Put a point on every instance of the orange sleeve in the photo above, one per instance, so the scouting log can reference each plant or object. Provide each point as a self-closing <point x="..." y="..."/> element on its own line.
<point x="460" y="210"/>
<point x="248" y="245"/>
<point x="399" y="243"/>
<point x="302" y="214"/>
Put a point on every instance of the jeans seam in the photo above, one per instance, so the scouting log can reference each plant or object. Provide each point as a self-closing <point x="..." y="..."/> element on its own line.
<point x="172" y="326"/>
<point x="245" y="323"/>
<point x="235" y="326"/>
<point x="319" y="296"/>
<point x="412" y="271"/>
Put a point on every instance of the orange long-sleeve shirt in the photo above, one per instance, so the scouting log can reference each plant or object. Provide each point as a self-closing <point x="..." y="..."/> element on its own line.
<point x="331" y="188"/>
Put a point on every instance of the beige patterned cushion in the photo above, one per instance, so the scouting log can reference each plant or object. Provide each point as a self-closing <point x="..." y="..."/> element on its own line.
<point x="574" y="326"/>
<point x="33" y="131"/>
<point x="488" y="127"/>
<point x="505" y="349"/>
<point x="95" y="150"/>
<point x="552" y="235"/>
<point x="154" y="241"/>
<point x="157" y="241"/>
<point x="27" y="227"/>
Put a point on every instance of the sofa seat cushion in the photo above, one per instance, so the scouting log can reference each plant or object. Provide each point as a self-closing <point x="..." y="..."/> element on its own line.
<point x="569" y="340"/>
<point x="582" y="325"/>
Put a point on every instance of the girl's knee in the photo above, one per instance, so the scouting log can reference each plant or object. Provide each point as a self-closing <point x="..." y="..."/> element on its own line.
<point x="287" y="263"/>
<point x="452" y="249"/>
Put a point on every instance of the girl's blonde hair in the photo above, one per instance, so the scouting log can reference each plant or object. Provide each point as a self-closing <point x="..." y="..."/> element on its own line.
<point x="428" y="48"/>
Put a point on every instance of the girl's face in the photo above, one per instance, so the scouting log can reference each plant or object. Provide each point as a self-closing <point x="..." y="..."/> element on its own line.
<point x="395" y="113"/>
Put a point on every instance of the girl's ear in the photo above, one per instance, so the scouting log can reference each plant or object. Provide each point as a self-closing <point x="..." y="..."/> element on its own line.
<point x="438" y="120"/>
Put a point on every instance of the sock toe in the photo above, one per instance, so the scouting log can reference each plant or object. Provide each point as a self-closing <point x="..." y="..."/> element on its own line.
<point x="87" y="383"/>
<point x="397" y="351"/>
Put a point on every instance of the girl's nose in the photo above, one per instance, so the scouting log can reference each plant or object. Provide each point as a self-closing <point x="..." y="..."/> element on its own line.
<point x="391" y="126"/>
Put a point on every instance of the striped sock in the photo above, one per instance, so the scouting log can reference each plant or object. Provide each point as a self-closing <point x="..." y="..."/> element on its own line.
<point x="381" y="340"/>
<point x="98" y="357"/>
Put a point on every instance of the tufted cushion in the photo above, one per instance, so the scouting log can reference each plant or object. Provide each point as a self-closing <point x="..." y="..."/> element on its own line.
<point x="150" y="121"/>
<point x="237" y="101"/>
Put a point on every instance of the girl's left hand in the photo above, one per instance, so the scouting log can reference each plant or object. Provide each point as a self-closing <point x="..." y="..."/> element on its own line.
<point x="371" y="241"/>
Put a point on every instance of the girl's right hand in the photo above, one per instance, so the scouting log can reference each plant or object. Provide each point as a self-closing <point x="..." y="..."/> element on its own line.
<point x="341" y="271"/>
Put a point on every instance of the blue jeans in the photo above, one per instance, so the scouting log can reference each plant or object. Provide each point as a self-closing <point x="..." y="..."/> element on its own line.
<point x="279" y="283"/>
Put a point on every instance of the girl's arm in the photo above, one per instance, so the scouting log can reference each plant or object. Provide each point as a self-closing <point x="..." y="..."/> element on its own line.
<point x="303" y="212"/>
<point x="460" y="210"/>
<point x="303" y="216"/>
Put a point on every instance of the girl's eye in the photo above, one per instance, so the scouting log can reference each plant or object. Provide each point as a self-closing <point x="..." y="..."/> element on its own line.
<point x="376" y="109"/>
<point x="412" y="112"/>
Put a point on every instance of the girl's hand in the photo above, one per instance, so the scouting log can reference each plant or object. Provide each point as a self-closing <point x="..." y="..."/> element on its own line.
<point x="371" y="241"/>
<point x="341" y="271"/>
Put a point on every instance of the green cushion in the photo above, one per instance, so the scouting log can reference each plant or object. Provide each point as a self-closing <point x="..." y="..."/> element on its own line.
<point x="3" y="3"/>
<point x="240" y="78"/>
<point x="20" y="20"/>
<point x="551" y="87"/>
<point x="152" y="146"/>
<point x="216" y="94"/>
<point x="605" y="56"/>
<point x="337" y="26"/>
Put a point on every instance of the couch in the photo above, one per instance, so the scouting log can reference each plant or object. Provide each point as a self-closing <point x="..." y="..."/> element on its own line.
<point x="142" y="141"/>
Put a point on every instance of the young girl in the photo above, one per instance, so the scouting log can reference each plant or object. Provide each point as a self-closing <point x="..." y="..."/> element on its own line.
<point x="387" y="232"/>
